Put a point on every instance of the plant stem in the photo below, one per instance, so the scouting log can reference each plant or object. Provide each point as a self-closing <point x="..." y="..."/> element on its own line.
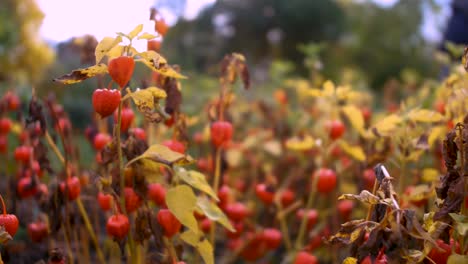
<point x="284" y="227"/>
<point x="171" y="249"/>
<point x="90" y="229"/>
<point x="122" y="179"/>
<point x="217" y="177"/>
<point x="81" y="208"/>
<point x="371" y="207"/>
<point x="310" y="202"/>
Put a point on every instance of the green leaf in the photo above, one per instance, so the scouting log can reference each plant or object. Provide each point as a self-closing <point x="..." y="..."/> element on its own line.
<point x="181" y="201"/>
<point x="79" y="75"/>
<point x="198" y="181"/>
<point x="105" y="46"/>
<point x="213" y="212"/>
<point x="201" y="244"/>
<point x="164" y="155"/>
<point x="135" y="31"/>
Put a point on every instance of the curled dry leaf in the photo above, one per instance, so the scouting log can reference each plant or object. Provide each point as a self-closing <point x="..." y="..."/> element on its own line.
<point x="79" y="75"/>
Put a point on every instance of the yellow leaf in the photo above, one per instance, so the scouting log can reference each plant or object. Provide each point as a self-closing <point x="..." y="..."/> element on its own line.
<point x="164" y="155"/>
<point x="436" y="133"/>
<point x="104" y="46"/>
<point x="430" y="175"/>
<point x="328" y="88"/>
<point x="355" y="117"/>
<point x="415" y="155"/>
<point x="387" y="125"/>
<point x="425" y="116"/>
<point x="135" y="31"/>
<point x="145" y="98"/>
<point x="198" y="181"/>
<point x="181" y="201"/>
<point x="79" y="75"/>
<point x="457" y="259"/>
<point x="355" y="152"/>
<point x="212" y="211"/>
<point x="234" y="157"/>
<point x="300" y="144"/>
<point x="150" y="169"/>
<point x="310" y="92"/>
<point x="162" y="69"/>
<point x="350" y="260"/>
<point x="147" y="36"/>
<point x="365" y="197"/>
<point x="200" y="243"/>
<point x="115" y="52"/>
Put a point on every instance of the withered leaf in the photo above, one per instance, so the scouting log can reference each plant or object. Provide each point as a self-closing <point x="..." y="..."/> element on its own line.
<point x="79" y="75"/>
<point x="365" y="197"/>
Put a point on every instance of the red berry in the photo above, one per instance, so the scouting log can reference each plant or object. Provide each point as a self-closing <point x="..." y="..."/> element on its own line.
<point x="169" y="222"/>
<point x="205" y="225"/>
<point x="264" y="193"/>
<point x="305" y="258"/>
<point x="121" y="69"/>
<point x="105" y="101"/>
<point x="154" y="45"/>
<point x="335" y="129"/>
<point x="345" y="208"/>
<point x="312" y="217"/>
<point x="127" y="118"/>
<point x="105" y="201"/>
<point x="157" y="193"/>
<point x="239" y="228"/>
<point x="223" y="194"/>
<point x="287" y="197"/>
<point x="132" y="200"/>
<point x="440" y="256"/>
<point x="175" y="145"/>
<point x="118" y="226"/>
<point x="5" y="125"/>
<point x="255" y="248"/>
<point x="221" y="133"/>
<point x="13" y="101"/>
<point x="236" y="211"/>
<point x="366" y="113"/>
<point x="326" y="180"/>
<point x="23" y="153"/>
<point x="64" y="125"/>
<point x="439" y="106"/>
<point x="73" y="187"/>
<point x="3" y="144"/>
<point x="272" y="237"/>
<point x="369" y="178"/>
<point x="25" y="188"/>
<point x="37" y="231"/>
<point x="8" y="221"/>
<point x="101" y="140"/>
<point x="138" y="133"/>
<point x="161" y="27"/>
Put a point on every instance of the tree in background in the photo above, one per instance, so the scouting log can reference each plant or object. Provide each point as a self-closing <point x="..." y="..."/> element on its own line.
<point x="379" y="43"/>
<point x="23" y="55"/>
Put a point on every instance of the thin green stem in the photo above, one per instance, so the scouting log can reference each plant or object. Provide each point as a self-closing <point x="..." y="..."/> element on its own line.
<point x="310" y="202"/>
<point x="88" y="225"/>
<point x="217" y="177"/>
<point x="131" y="243"/>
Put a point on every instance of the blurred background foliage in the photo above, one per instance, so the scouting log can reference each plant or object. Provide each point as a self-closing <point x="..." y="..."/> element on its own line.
<point x="355" y="42"/>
